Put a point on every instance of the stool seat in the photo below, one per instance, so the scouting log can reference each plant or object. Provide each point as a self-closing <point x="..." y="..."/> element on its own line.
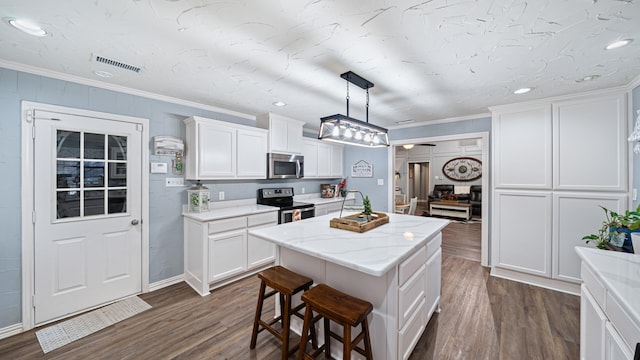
<point x="338" y="306"/>
<point x="284" y="280"/>
<point x="346" y="310"/>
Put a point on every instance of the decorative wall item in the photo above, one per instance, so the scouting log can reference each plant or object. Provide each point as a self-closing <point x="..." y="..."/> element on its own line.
<point x="362" y="169"/>
<point x="462" y="169"/>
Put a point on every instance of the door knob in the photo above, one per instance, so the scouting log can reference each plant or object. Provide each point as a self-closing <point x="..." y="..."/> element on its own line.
<point x="134" y="222"/>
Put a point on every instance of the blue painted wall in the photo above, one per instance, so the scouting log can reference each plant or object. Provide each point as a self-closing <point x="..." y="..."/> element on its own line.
<point x="165" y="223"/>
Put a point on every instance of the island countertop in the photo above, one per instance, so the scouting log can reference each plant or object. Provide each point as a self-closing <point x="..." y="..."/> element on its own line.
<point x="373" y="252"/>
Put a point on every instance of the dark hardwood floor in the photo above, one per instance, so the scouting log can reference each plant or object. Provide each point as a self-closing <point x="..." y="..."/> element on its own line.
<point x="482" y="318"/>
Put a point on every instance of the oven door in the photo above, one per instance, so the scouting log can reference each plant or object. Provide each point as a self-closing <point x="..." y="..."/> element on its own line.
<point x="283" y="166"/>
<point x="287" y="216"/>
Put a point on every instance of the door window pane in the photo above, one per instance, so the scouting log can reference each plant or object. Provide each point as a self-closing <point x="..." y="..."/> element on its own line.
<point x="67" y="174"/>
<point x="117" y="147"/>
<point x="68" y="144"/>
<point x="93" y="174"/>
<point x="68" y="204"/>
<point x="94" y="146"/>
<point x="117" y="201"/>
<point x="93" y="202"/>
<point x="117" y="174"/>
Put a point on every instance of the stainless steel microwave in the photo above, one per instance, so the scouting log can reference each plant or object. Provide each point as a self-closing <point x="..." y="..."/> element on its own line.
<point x="285" y="166"/>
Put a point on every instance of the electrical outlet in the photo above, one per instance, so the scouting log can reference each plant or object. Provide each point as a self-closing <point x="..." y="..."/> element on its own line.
<point x="221" y="195"/>
<point x="380" y="181"/>
<point x="173" y="182"/>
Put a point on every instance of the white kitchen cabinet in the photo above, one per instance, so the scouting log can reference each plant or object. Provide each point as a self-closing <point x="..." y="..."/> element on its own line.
<point x="310" y="153"/>
<point x="323" y="159"/>
<point x="285" y="134"/>
<point x="336" y="162"/>
<point x="220" y="150"/>
<point x="614" y="347"/>
<point x="333" y="207"/>
<point x="593" y="319"/>
<point x="220" y="251"/>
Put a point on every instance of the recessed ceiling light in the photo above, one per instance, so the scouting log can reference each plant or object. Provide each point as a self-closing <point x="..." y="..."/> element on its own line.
<point x="27" y="27"/>
<point x="618" y="44"/>
<point x="279" y="104"/>
<point x="588" y="78"/>
<point x="522" y="91"/>
<point x="102" y="73"/>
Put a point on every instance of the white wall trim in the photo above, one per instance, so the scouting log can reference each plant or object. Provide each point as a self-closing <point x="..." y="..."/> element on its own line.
<point x="441" y="121"/>
<point x="634" y="83"/>
<point x="122" y="89"/>
<point x="391" y="156"/>
<point x="166" y="282"/>
<point x="27" y="204"/>
<point x="547" y="283"/>
<point x="10" y="330"/>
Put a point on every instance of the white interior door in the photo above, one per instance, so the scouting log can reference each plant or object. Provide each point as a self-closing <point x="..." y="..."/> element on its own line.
<point x="87" y="196"/>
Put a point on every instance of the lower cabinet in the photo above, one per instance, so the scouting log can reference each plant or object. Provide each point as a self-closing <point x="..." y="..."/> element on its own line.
<point x="324" y="209"/>
<point x="220" y="251"/>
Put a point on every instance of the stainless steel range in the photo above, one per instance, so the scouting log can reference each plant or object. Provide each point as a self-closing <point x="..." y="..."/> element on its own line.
<point x="289" y="210"/>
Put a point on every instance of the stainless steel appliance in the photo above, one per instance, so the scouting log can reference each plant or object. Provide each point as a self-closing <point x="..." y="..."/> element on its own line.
<point x="289" y="210"/>
<point x="285" y="166"/>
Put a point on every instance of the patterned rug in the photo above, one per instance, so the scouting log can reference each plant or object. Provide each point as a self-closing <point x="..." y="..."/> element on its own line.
<point x="78" y="327"/>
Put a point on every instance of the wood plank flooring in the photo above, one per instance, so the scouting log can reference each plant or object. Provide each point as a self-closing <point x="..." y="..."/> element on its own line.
<point x="482" y="318"/>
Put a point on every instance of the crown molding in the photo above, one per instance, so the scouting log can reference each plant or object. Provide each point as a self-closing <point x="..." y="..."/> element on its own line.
<point x="441" y="121"/>
<point x="122" y="89"/>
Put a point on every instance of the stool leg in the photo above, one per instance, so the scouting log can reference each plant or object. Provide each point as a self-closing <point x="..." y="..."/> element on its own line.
<point x="308" y="318"/>
<point x="254" y="334"/>
<point x="286" y="317"/>
<point x="327" y="339"/>
<point x="367" y="339"/>
<point x="346" y="342"/>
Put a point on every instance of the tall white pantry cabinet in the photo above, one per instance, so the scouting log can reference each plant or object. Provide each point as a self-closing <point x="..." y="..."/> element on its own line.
<point x="554" y="164"/>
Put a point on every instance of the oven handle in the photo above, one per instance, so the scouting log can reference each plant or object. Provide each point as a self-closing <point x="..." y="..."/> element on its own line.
<point x="301" y="210"/>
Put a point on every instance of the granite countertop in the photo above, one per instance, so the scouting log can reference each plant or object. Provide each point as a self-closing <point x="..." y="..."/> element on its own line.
<point x="373" y="252"/>
<point x="620" y="273"/>
<point x="230" y="209"/>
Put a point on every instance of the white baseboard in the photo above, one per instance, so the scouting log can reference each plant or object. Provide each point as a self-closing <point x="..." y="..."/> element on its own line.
<point x="552" y="284"/>
<point x="11" y="330"/>
<point x="166" y="282"/>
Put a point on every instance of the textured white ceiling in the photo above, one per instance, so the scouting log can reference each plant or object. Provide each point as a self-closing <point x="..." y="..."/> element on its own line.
<point x="429" y="60"/>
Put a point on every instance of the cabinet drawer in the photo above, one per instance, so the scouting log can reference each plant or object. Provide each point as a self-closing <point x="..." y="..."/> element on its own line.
<point x="629" y="331"/>
<point x="219" y="226"/>
<point x="408" y="337"/>
<point x="411" y="295"/>
<point x="596" y="288"/>
<point x="259" y="219"/>
<point x="434" y="245"/>
<point x="408" y="267"/>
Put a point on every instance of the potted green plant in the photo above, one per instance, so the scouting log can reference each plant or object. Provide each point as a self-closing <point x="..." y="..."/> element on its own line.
<point x="616" y="228"/>
<point x="366" y="203"/>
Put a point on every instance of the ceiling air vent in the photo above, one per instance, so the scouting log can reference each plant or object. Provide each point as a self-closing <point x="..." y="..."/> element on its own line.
<point x="117" y="64"/>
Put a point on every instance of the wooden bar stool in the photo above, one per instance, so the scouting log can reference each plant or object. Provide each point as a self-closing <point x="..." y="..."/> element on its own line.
<point x="340" y="308"/>
<point x="286" y="283"/>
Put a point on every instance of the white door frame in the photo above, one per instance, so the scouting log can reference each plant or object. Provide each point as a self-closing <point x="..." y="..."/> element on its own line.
<point x="391" y="156"/>
<point x="27" y="206"/>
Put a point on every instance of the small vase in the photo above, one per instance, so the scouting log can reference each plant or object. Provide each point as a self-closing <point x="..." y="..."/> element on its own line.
<point x="635" y="242"/>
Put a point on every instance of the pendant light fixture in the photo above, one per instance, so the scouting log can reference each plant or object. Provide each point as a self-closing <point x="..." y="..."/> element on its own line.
<point x="350" y="131"/>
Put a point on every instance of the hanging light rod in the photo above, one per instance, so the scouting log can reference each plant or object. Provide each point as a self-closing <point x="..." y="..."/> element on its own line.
<point x="350" y="131"/>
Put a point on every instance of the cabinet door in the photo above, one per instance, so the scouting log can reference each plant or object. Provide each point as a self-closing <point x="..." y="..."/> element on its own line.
<point x="592" y="327"/>
<point x="252" y="154"/>
<point x="260" y="252"/>
<point x="522" y="150"/>
<point x="577" y="215"/>
<point x="324" y="159"/>
<point x="336" y="160"/>
<point x="294" y="137"/>
<point x="321" y="210"/>
<point x="614" y="347"/>
<point x="277" y="134"/>
<point x="227" y="254"/>
<point x="217" y="151"/>
<point x="310" y="153"/>
<point x="522" y="228"/>
<point x="590" y="145"/>
<point x="434" y="269"/>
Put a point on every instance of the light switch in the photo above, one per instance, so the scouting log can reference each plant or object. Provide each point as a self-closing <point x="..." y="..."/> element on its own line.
<point x="158" y="168"/>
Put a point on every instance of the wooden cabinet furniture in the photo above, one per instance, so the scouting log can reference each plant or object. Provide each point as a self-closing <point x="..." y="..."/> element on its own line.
<point x="220" y="150"/>
<point x="550" y="179"/>
<point x="609" y="322"/>
<point x="322" y="159"/>
<point x="285" y="134"/>
<point x="221" y="251"/>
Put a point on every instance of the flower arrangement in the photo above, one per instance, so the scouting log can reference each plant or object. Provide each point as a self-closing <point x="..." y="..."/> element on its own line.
<point x="341" y="187"/>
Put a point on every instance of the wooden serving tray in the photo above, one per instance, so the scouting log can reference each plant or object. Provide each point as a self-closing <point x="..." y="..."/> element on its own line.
<point x="352" y="224"/>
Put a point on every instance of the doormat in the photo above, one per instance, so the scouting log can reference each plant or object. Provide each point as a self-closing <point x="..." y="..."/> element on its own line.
<point x="71" y="330"/>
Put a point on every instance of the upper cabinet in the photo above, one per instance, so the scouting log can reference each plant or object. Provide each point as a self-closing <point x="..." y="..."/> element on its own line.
<point x="322" y="159"/>
<point x="285" y="134"/>
<point x="221" y="150"/>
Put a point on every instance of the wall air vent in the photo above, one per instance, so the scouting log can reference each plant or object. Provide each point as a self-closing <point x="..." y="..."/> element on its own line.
<point x="116" y="63"/>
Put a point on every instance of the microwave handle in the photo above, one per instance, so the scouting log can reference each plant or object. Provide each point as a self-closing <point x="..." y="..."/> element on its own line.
<point x="298" y="169"/>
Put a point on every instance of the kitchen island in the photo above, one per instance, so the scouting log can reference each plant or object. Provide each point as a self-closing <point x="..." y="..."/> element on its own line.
<point x="395" y="266"/>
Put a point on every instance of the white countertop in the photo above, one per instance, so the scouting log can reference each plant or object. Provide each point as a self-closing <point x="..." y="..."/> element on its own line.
<point x="317" y="200"/>
<point x="373" y="252"/>
<point x="620" y="273"/>
<point x="228" y="209"/>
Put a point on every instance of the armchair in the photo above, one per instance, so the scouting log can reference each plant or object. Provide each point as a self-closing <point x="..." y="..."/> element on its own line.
<point x="475" y="199"/>
<point x="439" y="190"/>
